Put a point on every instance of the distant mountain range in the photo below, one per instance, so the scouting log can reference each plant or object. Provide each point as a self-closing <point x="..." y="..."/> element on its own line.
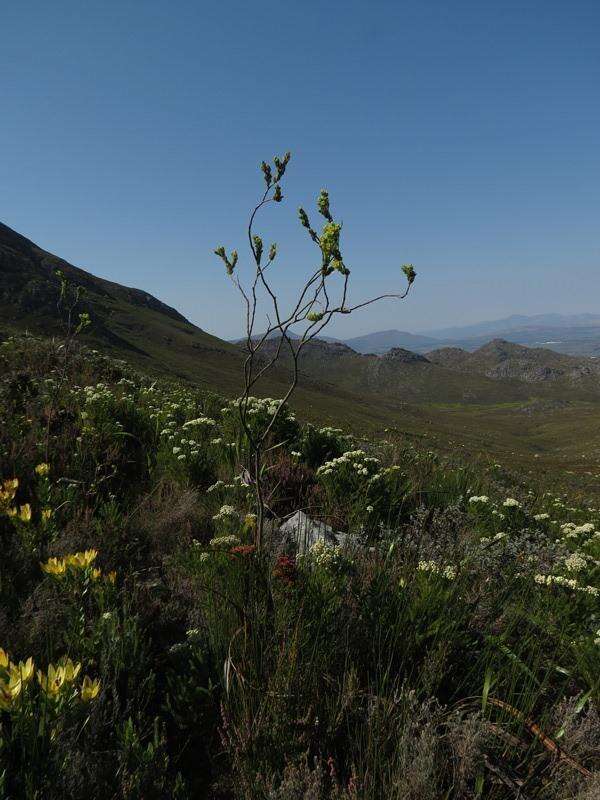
<point x="572" y="334"/>
<point x="575" y="334"/>
<point x="517" y="322"/>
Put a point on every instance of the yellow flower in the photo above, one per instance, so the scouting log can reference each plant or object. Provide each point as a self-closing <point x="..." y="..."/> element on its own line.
<point x="23" y="671"/>
<point x="54" y="566"/>
<point x="89" y="689"/>
<point x="15" y="685"/>
<point x="81" y="560"/>
<point x="96" y="574"/>
<point x="46" y="514"/>
<point x="11" y="512"/>
<point x="42" y="469"/>
<point x="9" y="490"/>
<point x="4" y="661"/>
<point x="71" y="669"/>
<point x="58" y="676"/>
<point x="111" y="577"/>
<point x="25" y="513"/>
<point x="52" y="682"/>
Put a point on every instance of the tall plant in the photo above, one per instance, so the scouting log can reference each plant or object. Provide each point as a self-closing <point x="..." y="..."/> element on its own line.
<point x="319" y="300"/>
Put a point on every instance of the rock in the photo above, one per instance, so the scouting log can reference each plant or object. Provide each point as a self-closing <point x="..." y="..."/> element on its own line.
<point x="300" y="532"/>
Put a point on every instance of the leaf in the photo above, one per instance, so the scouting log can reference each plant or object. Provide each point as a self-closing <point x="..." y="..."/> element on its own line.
<point x="486" y="688"/>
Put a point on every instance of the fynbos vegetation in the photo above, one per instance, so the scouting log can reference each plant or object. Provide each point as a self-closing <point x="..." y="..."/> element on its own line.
<point x="206" y="597"/>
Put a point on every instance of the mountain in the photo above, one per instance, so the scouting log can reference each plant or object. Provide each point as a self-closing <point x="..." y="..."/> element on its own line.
<point x="382" y="341"/>
<point x="500" y="360"/>
<point x="517" y="322"/>
<point x="275" y="335"/>
<point x="575" y="334"/>
<point x="127" y="322"/>
<point x="498" y="372"/>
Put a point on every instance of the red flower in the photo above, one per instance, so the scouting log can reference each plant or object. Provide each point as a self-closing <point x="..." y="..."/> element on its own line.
<point x="242" y="550"/>
<point x="285" y="569"/>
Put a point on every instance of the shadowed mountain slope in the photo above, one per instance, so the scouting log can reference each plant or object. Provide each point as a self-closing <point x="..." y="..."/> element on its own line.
<point x="127" y="322"/>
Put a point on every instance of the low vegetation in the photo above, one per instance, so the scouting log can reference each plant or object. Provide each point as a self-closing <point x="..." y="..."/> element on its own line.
<point x="447" y="648"/>
<point x="433" y="632"/>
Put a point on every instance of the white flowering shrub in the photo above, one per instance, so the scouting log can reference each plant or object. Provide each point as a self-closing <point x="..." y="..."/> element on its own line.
<point x="116" y="435"/>
<point x="315" y="446"/>
<point x="260" y="411"/>
<point x="330" y="559"/>
<point x="186" y="436"/>
<point x="362" y="494"/>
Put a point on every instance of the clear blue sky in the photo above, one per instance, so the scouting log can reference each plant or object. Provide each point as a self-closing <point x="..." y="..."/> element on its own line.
<point x="461" y="136"/>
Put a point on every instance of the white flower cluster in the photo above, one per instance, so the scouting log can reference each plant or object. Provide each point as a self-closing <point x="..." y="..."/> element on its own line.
<point x="226" y="513"/>
<point x="205" y="422"/>
<point x="258" y="405"/>
<point x="572" y="531"/>
<point x="328" y="431"/>
<point x="484" y="499"/>
<point x="325" y="555"/>
<point x="357" y="460"/>
<point x="446" y="571"/>
<point x="568" y="583"/>
<point x="576" y="562"/>
<point x="97" y="393"/>
<point x="541" y="517"/>
<point x="510" y="502"/>
<point x="497" y="538"/>
<point x="224" y="542"/>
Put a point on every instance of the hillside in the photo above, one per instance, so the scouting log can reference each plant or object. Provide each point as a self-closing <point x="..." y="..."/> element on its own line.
<point x="498" y="372"/>
<point x="501" y="360"/>
<point x="126" y="322"/>
<point x="131" y="324"/>
<point x="134" y="325"/>
<point x="151" y="635"/>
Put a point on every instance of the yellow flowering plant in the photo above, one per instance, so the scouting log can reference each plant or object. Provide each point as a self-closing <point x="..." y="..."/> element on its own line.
<point x="78" y="565"/>
<point x="85" y="593"/>
<point x="35" y="528"/>
<point x="33" y="712"/>
<point x="8" y="490"/>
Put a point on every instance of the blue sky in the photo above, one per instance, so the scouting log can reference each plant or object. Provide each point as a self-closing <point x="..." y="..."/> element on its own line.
<point x="461" y="136"/>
